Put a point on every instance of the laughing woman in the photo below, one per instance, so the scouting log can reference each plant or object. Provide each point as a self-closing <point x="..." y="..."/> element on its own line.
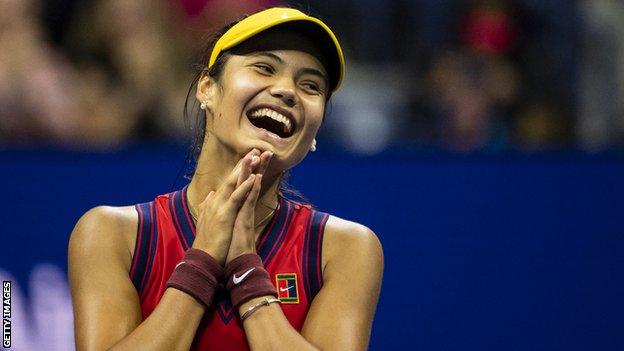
<point x="228" y="263"/>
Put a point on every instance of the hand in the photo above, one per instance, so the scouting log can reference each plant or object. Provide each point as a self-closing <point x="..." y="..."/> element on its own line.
<point x="244" y="233"/>
<point x="218" y="212"/>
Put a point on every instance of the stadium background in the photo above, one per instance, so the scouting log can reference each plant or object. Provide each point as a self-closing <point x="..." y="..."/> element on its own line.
<point x="481" y="140"/>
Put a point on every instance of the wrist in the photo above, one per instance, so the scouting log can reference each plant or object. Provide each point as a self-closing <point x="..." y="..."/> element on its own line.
<point x="236" y="252"/>
<point x="198" y="275"/>
<point x="252" y="306"/>
<point x="256" y="300"/>
<point x="217" y="250"/>
<point x="247" y="279"/>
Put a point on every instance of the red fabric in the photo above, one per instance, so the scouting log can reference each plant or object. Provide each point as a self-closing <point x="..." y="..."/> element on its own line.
<point x="221" y="328"/>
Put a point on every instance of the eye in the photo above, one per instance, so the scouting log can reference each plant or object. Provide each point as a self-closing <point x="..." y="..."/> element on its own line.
<point x="312" y="87"/>
<point x="264" y="68"/>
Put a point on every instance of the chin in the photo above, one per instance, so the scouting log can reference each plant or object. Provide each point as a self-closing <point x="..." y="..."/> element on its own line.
<point x="260" y="145"/>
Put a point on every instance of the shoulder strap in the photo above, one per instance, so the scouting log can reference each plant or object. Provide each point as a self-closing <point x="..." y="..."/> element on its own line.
<point x="312" y="253"/>
<point x="145" y="247"/>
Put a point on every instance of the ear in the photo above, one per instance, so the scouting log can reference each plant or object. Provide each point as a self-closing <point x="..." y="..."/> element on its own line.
<point x="206" y="91"/>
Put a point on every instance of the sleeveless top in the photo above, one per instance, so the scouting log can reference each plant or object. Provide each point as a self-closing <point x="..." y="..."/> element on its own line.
<point x="290" y="248"/>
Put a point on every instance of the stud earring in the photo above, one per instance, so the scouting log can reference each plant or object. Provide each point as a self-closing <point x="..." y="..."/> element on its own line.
<point x="202" y="105"/>
<point x="313" y="147"/>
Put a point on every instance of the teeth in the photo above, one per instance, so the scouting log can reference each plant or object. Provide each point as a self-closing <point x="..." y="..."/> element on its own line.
<point x="274" y="115"/>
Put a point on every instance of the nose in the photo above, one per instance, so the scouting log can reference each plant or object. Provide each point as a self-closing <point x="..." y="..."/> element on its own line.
<point x="284" y="90"/>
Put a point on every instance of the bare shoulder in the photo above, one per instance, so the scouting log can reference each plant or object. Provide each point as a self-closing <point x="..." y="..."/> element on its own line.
<point x="105" y="230"/>
<point x="346" y="241"/>
<point x="352" y="266"/>
<point x="344" y="232"/>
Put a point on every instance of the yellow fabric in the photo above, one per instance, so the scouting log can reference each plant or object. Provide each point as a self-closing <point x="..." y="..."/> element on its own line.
<point x="264" y="20"/>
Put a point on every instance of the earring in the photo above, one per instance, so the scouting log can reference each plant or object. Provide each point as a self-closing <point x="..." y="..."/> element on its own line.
<point x="313" y="147"/>
<point x="202" y="105"/>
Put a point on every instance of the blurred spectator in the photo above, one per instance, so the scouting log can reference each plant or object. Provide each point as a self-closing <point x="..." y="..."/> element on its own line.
<point x="466" y="75"/>
<point x="472" y="89"/>
<point x="601" y="117"/>
<point x="123" y="75"/>
<point x="540" y="125"/>
<point x="37" y="84"/>
<point x="205" y="16"/>
<point x="368" y="113"/>
<point x="470" y="94"/>
<point x="45" y="99"/>
<point x="133" y="57"/>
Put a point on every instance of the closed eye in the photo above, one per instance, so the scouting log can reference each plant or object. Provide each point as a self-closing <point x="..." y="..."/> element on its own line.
<point x="264" y="68"/>
<point x="312" y="87"/>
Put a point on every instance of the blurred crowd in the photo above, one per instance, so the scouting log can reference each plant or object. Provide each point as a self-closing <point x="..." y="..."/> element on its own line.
<point x="459" y="75"/>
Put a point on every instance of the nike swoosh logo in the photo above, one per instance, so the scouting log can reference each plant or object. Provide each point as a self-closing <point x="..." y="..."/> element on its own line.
<point x="237" y="280"/>
<point x="286" y="289"/>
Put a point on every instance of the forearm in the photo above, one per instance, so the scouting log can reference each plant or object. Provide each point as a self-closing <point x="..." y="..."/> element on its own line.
<point x="171" y="326"/>
<point x="268" y="329"/>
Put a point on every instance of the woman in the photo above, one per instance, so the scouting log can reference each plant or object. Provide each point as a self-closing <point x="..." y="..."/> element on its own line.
<point x="227" y="263"/>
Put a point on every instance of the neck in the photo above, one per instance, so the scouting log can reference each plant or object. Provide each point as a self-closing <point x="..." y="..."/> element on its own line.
<point x="214" y="164"/>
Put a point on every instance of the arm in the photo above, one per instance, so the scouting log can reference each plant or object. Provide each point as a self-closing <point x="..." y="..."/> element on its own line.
<point x="353" y="266"/>
<point x="342" y="313"/>
<point x="107" y="311"/>
<point x="107" y="314"/>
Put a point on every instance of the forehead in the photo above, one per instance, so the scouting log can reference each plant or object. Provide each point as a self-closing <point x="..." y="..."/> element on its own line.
<point x="281" y="40"/>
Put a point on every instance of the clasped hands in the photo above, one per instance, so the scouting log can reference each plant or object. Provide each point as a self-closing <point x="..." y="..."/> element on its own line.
<point x="225" y="219"/>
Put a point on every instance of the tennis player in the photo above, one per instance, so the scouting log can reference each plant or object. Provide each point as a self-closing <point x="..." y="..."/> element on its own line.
<point x="228" y="262"/>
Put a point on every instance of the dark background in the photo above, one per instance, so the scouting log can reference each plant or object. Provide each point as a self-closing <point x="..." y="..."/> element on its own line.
<point x="482" y="252"/>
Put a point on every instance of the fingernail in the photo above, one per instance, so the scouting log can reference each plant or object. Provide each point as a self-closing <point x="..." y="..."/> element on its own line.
<point x="254" y="158"/>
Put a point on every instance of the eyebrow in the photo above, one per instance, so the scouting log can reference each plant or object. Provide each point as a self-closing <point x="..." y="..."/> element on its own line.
<point x="307" y="70"/>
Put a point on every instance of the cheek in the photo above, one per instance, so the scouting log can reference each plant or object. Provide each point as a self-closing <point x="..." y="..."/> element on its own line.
<point x="314" y="112"/>
<point x="240" y="89"/>
<point x="235" y="94"/>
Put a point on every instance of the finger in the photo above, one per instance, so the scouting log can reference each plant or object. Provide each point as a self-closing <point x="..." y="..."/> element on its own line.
<point x="237" y="176"/>
<point x="244" y="169"/>
<point x="265" y="159"/>
<point x="252" y="196"/>
<point x="205" y="204"/>
<point x="238" y="196"/>
<point x="245" y="217"/>
<point x="243" y="159"/>
<point x="255" y="162"/>
<point x="207" y="199"/>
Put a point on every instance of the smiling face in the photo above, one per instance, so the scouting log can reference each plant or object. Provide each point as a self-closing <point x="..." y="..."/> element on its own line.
<point x="271" y="95"/>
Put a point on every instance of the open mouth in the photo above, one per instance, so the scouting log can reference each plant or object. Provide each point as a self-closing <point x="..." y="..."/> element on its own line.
<point x="272" y="121"/>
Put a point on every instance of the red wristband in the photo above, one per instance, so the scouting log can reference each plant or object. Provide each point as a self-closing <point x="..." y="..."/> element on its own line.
<point x="198" y="274"/>
<point x="247" y="278"/>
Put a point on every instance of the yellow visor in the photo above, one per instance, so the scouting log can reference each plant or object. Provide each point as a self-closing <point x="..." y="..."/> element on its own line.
<point x="263" y="20"/>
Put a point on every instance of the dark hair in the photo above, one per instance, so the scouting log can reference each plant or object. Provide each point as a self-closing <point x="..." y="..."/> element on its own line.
<point x="195" y="117"/>
<point x="197" y="124"/>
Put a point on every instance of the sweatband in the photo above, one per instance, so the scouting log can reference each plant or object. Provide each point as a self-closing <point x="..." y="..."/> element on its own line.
<point x="247" y="278"/>
<point x="198" y="274"/>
